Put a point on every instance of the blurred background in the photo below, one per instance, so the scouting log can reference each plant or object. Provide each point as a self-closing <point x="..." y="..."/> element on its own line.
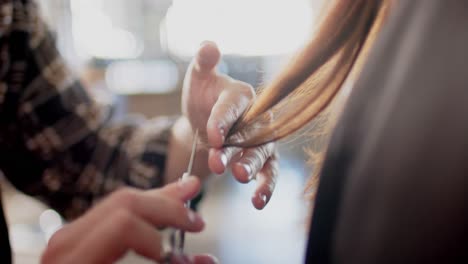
<point x="133" y="54"/>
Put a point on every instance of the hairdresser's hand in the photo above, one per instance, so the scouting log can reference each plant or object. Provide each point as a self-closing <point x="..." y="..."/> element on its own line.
<point x="128" y="220"/>
<point x="212" y="102"/>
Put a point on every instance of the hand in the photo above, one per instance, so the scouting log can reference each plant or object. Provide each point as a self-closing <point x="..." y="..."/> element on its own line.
<point x="212" y="102"/>
<point x="128" y="220"/>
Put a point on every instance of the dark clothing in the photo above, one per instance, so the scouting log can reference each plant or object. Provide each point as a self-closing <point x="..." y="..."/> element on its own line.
<point x="394" y="187"/>
<point x="5" y="251"/>
<point x="56" y="142"/>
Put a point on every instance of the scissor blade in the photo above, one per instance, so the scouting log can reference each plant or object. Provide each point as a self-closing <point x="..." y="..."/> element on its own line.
<point x="192" y="154"/>
<point x="187" y="174"/>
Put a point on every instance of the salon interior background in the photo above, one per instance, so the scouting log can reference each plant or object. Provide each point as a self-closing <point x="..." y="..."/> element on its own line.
<point x="133" y="54"/>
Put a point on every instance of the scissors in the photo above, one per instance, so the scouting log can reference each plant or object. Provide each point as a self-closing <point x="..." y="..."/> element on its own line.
<point x="177" y="236"/>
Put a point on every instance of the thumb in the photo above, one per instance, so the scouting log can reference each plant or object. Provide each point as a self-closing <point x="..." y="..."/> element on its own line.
<point x="207" y="58"/>
<point x="183" y="190"/>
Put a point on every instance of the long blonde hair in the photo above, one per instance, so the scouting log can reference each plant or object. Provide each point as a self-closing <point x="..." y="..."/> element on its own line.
<point x="314" y="76"/>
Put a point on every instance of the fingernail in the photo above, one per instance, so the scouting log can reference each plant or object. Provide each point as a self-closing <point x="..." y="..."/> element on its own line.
<point x="224" y="159"/>
<point x="264" y="198"/>
<point x="186" y="180"/>
<point x="194" y="217"/>
<point x="222" y="132"/>
<point x="248" y="171"/>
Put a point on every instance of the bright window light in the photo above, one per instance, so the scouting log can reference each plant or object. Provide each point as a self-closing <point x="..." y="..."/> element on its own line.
<point x="95" y="35"/>
<point x="244" y="27"/>
<point x="130" y="77"/>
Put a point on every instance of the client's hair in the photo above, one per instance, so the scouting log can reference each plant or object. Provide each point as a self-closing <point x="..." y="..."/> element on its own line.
<point x="314" y="76"/>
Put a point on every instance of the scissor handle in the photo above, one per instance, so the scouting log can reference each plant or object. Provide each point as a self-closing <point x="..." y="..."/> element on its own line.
<point x="177" y="236"/>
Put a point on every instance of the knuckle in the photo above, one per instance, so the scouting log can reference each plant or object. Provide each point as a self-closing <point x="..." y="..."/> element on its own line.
<point x="271" y="171"/>
<point x="264" y="152"/>
<point x="272" y="185"/>
<point x="252" y="160"/>
<point x="274" y="168"/>
<point x="232" y="112"/>
<point x="257" y="158"/>
<point x="269" y="185"/>
<point x="124" y="197"/>
<point x="243" y="89"/>
<point x="248" y="91"/>
<point x="231" y="151"/>
<point x="275" y="156"/>
<point x="270" y="149"/>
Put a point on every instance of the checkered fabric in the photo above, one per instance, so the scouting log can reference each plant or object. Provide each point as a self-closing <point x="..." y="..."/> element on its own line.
<point x="56" y="142"/>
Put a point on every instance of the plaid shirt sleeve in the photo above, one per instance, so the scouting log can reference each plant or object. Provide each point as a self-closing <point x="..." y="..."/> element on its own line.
<point x="56" y="142"/>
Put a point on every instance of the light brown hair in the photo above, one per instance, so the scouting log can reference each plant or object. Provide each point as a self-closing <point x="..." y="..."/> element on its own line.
<point x="310" y="82"/>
